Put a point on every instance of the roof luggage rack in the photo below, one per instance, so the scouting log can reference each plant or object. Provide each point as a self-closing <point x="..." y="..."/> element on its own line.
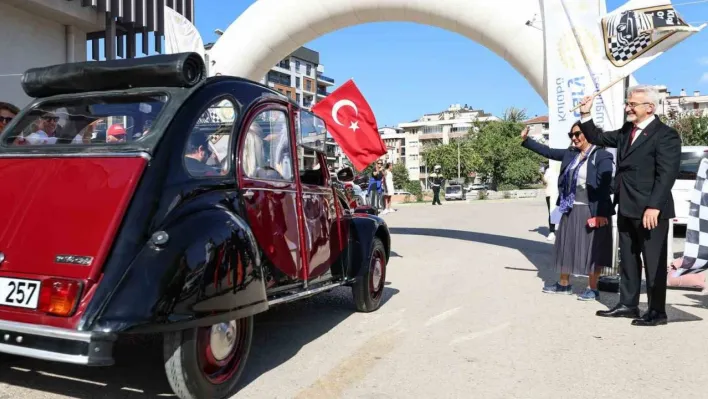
<point x="170" y="70"/>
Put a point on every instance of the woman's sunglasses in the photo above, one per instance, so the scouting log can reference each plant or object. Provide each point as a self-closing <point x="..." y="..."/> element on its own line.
<point x="576" y="134"/>
<point x="5" y="119"/>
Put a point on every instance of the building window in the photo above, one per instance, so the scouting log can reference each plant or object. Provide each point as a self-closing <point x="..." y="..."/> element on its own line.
<point x="308" y="85"/>
<point x="297" y="96"/>
<point x="284" y="63"/>
<point x="297" y="82"/>
<point x="297" y="66"/>
<point x="432" y="129"/>
<point x="309" y="69"/>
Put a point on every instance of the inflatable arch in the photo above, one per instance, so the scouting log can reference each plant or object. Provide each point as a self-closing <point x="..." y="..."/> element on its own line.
<point x="269" y="30"/>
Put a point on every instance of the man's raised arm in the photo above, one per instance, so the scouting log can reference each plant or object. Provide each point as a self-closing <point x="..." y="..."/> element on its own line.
<point x="592" y="133"/>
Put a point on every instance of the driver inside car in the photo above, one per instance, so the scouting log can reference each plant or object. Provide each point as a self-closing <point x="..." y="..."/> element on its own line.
<point x="197" y="155"/>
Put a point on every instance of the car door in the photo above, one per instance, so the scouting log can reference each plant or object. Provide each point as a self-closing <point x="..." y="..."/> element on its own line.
<point x="269" y="189"/>
<point x="319" y="204"/>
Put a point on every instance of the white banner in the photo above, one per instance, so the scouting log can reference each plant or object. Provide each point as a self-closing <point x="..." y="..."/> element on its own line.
<point x="181" y="36"/>
<point x="576" y="66"/>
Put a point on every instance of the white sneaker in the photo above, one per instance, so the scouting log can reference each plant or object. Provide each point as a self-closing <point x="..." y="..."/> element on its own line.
<point x="551" y="237"/>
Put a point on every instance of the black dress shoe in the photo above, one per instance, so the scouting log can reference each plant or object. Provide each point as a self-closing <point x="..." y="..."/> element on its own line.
<point x="619" y="311"/>
<point x="651" y="318"/>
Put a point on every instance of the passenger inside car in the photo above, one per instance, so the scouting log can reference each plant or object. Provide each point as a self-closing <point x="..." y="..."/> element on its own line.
<point x="196" y="156"/>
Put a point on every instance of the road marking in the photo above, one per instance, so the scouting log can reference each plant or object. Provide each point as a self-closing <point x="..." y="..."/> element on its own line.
<point x="479" y="334"/>
<point x="64" y="377"/>
<point x="442" y="316"/>
<point x="354" y="368"/>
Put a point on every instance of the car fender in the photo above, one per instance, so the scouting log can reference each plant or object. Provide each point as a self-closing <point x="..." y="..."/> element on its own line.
<point x="209" y="270"/>
<point x="364" y="229"/>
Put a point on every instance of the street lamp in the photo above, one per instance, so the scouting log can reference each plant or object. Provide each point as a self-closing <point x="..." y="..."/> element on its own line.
<point x="458" y="161"/>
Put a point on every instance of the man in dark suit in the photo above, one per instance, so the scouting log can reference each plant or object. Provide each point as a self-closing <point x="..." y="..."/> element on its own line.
<point x="648" y="159"/>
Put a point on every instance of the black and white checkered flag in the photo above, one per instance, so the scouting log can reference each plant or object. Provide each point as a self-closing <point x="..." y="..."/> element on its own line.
<point x="695" y="253"/>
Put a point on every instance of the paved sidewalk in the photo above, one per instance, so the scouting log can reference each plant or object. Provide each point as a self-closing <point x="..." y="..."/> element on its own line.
<point x="464" y="318"/>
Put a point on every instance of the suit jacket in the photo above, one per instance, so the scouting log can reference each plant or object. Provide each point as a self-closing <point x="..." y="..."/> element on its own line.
<point x="599" y="174"/>
<point x="646" y="169"/>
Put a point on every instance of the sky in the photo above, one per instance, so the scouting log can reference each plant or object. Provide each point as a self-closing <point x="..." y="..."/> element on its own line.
<point x="401" y="83"/>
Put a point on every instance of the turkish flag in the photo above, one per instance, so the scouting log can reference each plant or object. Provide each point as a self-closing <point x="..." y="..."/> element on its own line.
<point x="351" y="122"/>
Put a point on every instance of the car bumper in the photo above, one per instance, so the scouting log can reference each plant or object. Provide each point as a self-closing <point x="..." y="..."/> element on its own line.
<point x="56" y="344"/>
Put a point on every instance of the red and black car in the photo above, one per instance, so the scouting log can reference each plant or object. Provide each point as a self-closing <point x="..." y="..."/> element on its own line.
<point x="139" y="196"/>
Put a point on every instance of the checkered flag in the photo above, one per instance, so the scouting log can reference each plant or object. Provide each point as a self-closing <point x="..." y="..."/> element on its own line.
<point x="623" y="53"/>
<point x="695" y="255"/>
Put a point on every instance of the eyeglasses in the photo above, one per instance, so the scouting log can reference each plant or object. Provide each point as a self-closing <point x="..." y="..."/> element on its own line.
<point x="50" y="118"/>
<point x="634" y="105"/>
<point x="5" y="119"/>
<point x="576" y="134"/>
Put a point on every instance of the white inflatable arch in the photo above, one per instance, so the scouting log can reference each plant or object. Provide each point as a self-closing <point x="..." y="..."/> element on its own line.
<point x="269" y="30"/>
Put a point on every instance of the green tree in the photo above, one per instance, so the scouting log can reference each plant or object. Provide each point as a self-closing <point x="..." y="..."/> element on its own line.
<point x="400" y="175"/>
<point x="446" y="156"/>
<point x="497" y="154"/>
<point x="692" y="127"/>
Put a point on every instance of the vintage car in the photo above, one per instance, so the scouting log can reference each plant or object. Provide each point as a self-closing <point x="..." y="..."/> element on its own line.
<point x="139" y="196"/>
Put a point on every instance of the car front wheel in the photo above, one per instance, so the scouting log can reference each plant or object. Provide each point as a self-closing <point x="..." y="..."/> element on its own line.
<point x="369" y="286"/>
<point x="207" y="362"/>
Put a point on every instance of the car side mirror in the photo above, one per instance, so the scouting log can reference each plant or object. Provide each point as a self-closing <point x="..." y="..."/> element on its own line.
<point x="345" y="175"/>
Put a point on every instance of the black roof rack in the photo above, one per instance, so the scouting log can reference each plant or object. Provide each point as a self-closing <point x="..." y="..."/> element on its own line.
<point x="171" y="70"/>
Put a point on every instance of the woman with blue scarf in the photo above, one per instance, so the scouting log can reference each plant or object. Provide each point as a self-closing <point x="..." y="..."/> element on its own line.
<point x="583" y="243"/>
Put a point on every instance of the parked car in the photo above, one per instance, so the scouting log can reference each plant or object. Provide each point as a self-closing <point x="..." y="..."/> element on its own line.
<point x="477" y="187"/>
<point x="188" y="229"/>
<point x="691" y="157"/>
<point x="455" y="192"/>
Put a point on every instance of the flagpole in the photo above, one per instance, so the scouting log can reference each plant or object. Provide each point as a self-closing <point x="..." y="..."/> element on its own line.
<point x="614" y="82"/>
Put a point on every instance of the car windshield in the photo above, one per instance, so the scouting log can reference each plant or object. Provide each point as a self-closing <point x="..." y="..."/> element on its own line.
<point x="689" y="164"/>
<point x="453" y="189"/>
<point x="87" y="121"/>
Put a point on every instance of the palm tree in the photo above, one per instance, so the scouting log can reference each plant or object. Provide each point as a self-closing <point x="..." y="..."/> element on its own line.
<point x="514" y="115"/>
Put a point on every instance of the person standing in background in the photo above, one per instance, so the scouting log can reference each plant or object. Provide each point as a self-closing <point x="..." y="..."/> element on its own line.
<point x="436" y="184"/>
<point x="550" y="179"/>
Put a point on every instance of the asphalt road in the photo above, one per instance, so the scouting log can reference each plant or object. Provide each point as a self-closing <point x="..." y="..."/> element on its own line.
<point x="464" y="317"/>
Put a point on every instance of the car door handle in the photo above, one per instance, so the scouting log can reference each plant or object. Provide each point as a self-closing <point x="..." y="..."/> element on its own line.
<point x="248" y="194"/>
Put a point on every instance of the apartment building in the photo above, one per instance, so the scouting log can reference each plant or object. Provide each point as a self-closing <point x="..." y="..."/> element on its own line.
<point x="538" y="128"/>
<point x="300" y="76"/>
<point x="37" y="33"/>
<point x="395" y="140"/>
<point x="682" y="103"/>
<point x="435" y="129"/>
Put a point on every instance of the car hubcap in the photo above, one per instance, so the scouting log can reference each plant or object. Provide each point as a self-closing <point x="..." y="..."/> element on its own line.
<point x="222" y="340"/>
<point x="221" y="349"/>
<point x="376" y="272"/>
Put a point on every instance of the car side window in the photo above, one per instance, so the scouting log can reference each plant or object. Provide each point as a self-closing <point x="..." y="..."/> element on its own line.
<point x="310" y="168"/>
<point x="266" y="152"/>
<point x="207" y="149"/>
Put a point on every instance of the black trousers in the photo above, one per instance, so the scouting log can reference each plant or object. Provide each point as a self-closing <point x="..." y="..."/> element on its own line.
<point x="436" y="195"/>
<point x="635" y="240"/>
<point x="551" y="226"/>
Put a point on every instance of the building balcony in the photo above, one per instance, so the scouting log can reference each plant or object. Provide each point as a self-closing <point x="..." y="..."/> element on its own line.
<point x="325" y="79"/>
<point x="322" y="93"/>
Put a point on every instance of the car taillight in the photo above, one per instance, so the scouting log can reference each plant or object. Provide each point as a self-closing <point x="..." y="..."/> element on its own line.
<point x="59" y="296"/>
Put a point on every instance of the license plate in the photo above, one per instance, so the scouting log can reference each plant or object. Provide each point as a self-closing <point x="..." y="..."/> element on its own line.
<point x="19" y="293"/>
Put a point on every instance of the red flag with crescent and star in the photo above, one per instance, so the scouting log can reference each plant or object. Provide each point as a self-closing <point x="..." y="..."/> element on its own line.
<point x="351" y="122"/>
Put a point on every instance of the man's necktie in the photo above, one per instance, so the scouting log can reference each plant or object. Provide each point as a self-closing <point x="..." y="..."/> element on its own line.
<point x="631" y="138"/>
